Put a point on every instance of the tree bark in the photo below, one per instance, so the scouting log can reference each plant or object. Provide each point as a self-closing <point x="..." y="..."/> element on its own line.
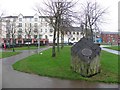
<point x="62" y="40"/>
<point x="13" y="42"/>
<point x="58" y="40"/>
<point x="54" y="39"/>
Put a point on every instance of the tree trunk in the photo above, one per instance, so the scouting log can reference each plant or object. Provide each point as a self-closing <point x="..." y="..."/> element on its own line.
<point x="28" y="45"/>
<point x="28" y="40"/>
<point x="54" y="39"/>
<point x="68" y="40"/>
<point x="53" y="48"/>
<point x="13" y="42"/>
<point x="92" y="35"/>
<point x="58" y="40"/>
<point x="13" y="46"/>
<point x="58" y="28"/>
<point x="62" y="40"/>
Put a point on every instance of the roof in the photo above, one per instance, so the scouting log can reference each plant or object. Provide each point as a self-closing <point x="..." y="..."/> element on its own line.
<point x="74" y="29"/>
<point x="109" y="32"/>
<point x="11" y="17"/>
<point x="25" y="17"/>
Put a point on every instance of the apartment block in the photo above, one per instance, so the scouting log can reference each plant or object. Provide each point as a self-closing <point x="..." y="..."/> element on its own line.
<point x="27" y="29"/>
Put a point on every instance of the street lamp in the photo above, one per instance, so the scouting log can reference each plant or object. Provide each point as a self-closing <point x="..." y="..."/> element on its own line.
<point x="95" y="22"/>
<point x="38" y="40"/>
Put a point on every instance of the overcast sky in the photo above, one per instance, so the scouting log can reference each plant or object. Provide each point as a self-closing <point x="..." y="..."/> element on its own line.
<point x="14" y="7"/>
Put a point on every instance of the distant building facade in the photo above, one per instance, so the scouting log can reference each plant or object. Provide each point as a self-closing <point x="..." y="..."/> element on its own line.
<point x="110" y="37"/>
<point x="34" y="25"/>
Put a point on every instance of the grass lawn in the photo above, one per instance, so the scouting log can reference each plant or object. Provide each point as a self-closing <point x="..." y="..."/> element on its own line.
<point x="26" y="48"/>
<point x="45" y="65"/>
<point x="114" y="48"/>
<point x="7" y="54"/>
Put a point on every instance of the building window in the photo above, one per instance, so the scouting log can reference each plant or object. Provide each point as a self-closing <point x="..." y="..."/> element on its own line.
<point x="51" y="35"/>
<point x="25" y="24"/>
<point x="51" y="30"/>
<point x="20" y="30"/>
<point x="77" y="33"/>
<point x="41" y="24"/>
<point x="35" y="25"/>
<point x="35" y="36"/>
<point x="41" y="30"/>
<point x="35" y="30"/>
<point x="77" y="38"/>
<point x="46" y="24"/>
<point x="46" y="37"/>
<point x="41" y="20"/>
<point x="25" y="36"/>
<point x="36" y="19"/>
<point x="19" y="36"/>
<point x="45" y="30"/>
<point x="8" y="35"/>
<point x="73" y="39"/>
<point x="73" y="32"/>
<point x="20" y="24"/>
<point x="30" y="24"/>
<point x="30" y="19"/>
<point x="40" y="36"/>
<point x="20" y="19"/>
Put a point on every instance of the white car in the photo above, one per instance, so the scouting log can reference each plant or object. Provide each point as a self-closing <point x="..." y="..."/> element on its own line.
<point x="28" y="43"/>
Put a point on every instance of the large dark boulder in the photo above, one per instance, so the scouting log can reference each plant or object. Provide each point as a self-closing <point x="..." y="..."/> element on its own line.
<point x="86" y="57"/>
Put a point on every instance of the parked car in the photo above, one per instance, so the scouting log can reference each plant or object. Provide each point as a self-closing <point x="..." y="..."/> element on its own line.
<point x="28" y="43"/>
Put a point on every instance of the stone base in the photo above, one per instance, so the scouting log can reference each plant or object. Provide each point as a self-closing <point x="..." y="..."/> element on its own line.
<point x="84" y="68"/>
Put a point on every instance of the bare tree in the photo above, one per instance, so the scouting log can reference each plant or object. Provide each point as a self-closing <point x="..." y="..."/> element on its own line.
<point x="56" y="10"/>
<point x="29" y="31"/>
<point x="65" y="27"/>
<point x="2" y="25"/>
<point x="91" y="17"/>
<point x="11" y="30"/>
<point x="1" y="20"/>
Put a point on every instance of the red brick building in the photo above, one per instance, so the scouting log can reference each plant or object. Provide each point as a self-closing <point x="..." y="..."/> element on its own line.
<point x="110" y="37"/>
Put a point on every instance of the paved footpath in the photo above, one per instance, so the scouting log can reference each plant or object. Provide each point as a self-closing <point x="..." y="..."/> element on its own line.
<point x="110" y="50"/>
<point x="16" y="79"/>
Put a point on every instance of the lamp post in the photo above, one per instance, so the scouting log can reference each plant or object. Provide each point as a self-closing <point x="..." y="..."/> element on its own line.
<point x="95" y="34"/>
<point x="95" y="22"/>
<point x="38" y="41"/>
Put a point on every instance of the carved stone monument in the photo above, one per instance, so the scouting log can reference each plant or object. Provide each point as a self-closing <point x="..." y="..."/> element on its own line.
<point x="86" y="57"/>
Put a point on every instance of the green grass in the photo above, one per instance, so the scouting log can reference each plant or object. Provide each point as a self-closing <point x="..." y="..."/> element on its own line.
<point x="26" y="48"/>
<point x="114" y="48"/>
<point x="45" y="65"/>
<point x="7" y="54"/>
